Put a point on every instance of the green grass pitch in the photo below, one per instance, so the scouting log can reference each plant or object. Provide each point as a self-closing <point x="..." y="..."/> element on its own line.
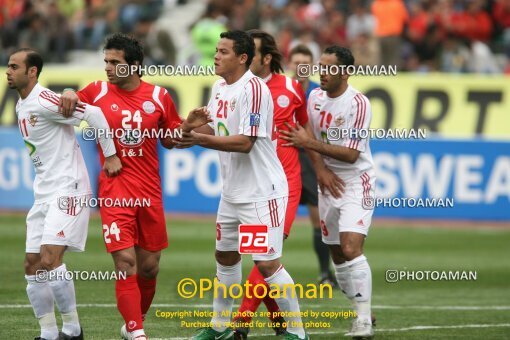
<point x="405" y="310"/>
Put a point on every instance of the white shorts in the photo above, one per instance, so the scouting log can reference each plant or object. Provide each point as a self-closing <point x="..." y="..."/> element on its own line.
<point x="48" y="224"/>
<point x="348" y="213"/>
<point x="270" y="213"/>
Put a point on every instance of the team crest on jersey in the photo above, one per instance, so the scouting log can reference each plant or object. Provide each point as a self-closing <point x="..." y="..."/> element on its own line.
<point x="283" y="101"/>
<point x="217" y="96"/>
<point x="131" y="138"/>
<point x="233" y="104"/>
<point x="317" y="107"/>
<point x="33" y="119"/>
<point x="148" y="107"/>
<point x="254" y="119"/>
<point x="114" y="107"/>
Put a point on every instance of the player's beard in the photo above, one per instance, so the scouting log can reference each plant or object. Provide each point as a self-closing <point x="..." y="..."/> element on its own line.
<point x="16" y="85"/>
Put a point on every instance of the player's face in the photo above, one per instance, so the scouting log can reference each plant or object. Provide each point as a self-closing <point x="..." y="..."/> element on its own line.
<point x="116" y="75"/>
<point x="298" y="59"/>
<point x="329" y="83"/>
<point x="17" y="75"/>
<point x="226" y="62"/>
<point x="257" y="64"/>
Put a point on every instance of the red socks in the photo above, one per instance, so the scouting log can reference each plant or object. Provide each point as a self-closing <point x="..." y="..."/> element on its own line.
<point x="251" y="304"/>
<point x="271" y="305"/>
<point x="147" y="290"/>
<point x="128" y="302"/>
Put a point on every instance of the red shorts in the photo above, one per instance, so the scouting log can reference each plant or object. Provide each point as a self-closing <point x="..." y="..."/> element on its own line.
<point x="125" y="227"/>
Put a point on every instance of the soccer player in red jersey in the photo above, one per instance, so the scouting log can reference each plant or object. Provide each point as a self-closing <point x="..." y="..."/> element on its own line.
<point x="135" y="235"/>
<point x="289" y="106"/>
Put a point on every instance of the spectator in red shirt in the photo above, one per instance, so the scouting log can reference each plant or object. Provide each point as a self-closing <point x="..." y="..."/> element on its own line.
<point x="501" y="13"/>
<point x="473" y="23"/>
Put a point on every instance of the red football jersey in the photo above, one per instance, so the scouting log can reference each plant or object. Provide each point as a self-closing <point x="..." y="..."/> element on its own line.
<point x="289" y="106"/>
<point x="148" y="108"/>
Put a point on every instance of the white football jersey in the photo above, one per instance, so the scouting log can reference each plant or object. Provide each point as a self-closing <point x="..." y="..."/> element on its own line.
<point x="347" y="114"/>
<point x="50" y="138"/>
<point x="246" y="108"/>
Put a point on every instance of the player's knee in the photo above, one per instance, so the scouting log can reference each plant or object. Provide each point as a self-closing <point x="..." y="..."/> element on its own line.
<point x="336" y="254"/>
<point x="32" y="263"/>
<point x="125" y="263"/>
<point x="268" y="268"/>
<point x="350" y="252"/>
<point x="227" y="258"/>
<point x="149" y="270"/>
<point x="49" y="261"/>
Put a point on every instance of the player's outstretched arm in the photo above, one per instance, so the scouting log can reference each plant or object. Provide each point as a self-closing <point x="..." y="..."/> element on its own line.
<point x="299" y="137"/>
<point x="197" y="121"/>
<point x="198" y="118"/>
<point x="49" y="103"/>
<point x="234" y="143"/>
<point x="68" y="103"/>
<point x="328" y="181"/>
<point x="96" y="119"/>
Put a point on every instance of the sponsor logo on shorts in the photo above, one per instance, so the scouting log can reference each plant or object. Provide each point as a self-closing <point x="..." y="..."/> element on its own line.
<point x="253" y="239"/>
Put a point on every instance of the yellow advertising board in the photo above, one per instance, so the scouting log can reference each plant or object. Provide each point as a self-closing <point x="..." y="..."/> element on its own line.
<point x="460" y="106"/>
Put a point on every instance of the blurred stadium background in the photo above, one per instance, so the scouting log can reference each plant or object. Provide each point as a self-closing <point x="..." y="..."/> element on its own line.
<point x="453" y="59"/>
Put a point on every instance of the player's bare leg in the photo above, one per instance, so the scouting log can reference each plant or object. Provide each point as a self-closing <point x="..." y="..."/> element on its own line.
<point x="128" y="293"/>
<point x="355" y="279"/>
<point x="147" y="263"/>
<point x="48" y="283"/>
<point x="321" y="249"/>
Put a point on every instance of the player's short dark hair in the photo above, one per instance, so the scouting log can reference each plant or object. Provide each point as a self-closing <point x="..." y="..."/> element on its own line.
<point x="343" y="54"/>
<point x="243" y="44"/>
<point x="133" y="49"/>
<point x="301" y="49"/>
<point x="32" y="59"/>
<point x="268" y="46"/>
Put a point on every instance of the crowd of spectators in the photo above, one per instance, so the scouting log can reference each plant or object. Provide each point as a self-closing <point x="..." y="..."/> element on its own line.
<point x="416" y="35"/>
<point x="55" y="27"/>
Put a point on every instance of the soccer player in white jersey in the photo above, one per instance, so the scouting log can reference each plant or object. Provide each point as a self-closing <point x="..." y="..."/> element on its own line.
<point x="56" y="222"/>
<point x="254" y="183"/>
<point x="338" y="107"/>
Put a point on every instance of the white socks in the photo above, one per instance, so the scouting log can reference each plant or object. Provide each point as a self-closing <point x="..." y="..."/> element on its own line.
<point x="287" y="301"/>
<point x="230" y="275"/>
<point x="41" y="299"/>
<point x="222" y="307"/>
<point x="65" y="297"/>
<point x="355" y="280"/>
<point x="44" y="294"/>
